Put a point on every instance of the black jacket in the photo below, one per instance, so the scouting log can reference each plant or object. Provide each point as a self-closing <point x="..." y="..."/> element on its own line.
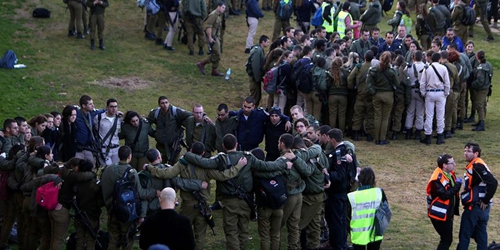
<point x="169" y="228"/>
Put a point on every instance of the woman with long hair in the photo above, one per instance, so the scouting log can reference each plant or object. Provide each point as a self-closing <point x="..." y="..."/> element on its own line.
<point x="283" y="81"/>
<point x="400" y="14"/>
<point x="135" y="131"/>
<point x="381" y="82"/>
<point x="38" y="125"/>
<point x="337" y="100"/>
<point x="67" y="148"/>
<point x="271" y="58"/>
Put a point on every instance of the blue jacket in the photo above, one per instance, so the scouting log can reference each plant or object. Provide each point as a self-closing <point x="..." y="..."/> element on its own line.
<point x="456" y="40"/>
<point x="253" y="9"/>
<point x="250" y="132"/>
<point x="83" y="134"/>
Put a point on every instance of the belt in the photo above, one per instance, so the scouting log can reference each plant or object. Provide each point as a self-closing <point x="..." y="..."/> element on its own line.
<point x="435" y="90"/>
<point x="112" y="146"/>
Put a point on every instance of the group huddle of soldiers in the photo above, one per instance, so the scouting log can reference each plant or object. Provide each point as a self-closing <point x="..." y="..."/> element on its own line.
<point x="313" y="163"/>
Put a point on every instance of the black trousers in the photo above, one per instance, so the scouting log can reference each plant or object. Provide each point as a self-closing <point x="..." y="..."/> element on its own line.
<point x="493" y="11"/>
<point x="335" y="215"/>
<point x="445" y="231"/>
<point x="371" y="246"/>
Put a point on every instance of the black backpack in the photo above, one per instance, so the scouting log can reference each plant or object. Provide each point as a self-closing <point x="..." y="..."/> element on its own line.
<point x="126" y="205"/>
<point x="387" y="5"/>
<point x="469" y="16"/>
<point x="41" y="13"/>
<point x="302" y="76"/>
<point x="273" y="191"/>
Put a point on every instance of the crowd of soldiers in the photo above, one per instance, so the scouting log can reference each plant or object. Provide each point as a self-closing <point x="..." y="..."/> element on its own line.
<point x="313" y="159"/>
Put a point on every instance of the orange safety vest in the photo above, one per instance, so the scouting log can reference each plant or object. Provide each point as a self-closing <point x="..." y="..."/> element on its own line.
<point x="437" y="208"/>
<point x="472" y="194"/>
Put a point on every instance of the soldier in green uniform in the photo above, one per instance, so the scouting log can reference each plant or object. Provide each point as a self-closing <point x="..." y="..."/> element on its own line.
<point x="362" y="45"/>
<point x="190" y="204"/>
<point x="75" y="9"/>
<point x="380" y="82"/>
<point x="197" y="129"/>
<point x="236" y="192"/>
<point x="194" y="12"/>
<point x="168" y="120"/>
<point x="97" y="8"/>
<point x="134" y="126"/>
<point x="224" y="124"/>
<point x="212" y="28"/>
<point x="481" y="85"/>
<point x="403" y="96"/>
<point x="363" y="108"/>
<point x="451" y="99"/>
<point x="480" y="8"/>
<point x="456" y="18"/>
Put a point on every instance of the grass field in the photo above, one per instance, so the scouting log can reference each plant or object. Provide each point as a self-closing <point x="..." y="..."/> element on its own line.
<point x="135" y="71"/>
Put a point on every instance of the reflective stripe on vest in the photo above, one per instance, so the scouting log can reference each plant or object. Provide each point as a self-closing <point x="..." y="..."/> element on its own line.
<point x="436" y="207"/>
<point x="341" y="26"/>
<point x="364" y="203"/>
<point x="471" y="194"/>
<point x="328" y="26"/>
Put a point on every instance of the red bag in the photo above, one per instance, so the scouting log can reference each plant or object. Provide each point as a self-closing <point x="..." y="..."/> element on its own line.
<point x="47" y="195"/>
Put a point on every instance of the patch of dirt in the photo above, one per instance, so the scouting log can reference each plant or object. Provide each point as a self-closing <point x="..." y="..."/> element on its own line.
<point x="128" y="83"/>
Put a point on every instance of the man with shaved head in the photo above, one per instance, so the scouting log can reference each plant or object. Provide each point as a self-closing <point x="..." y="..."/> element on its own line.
<point x="158" y="229"/>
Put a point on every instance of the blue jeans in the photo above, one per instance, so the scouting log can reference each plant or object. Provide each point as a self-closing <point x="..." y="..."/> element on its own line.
<point x="473" y="225"/>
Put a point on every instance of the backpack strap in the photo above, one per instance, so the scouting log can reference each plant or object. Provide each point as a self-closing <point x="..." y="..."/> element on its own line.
<point x="439" y="76"/>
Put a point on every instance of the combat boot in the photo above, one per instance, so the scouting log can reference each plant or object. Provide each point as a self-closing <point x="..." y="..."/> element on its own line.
<point x="200" y="52"/>
<point x="447" y="134"/>
<point x="101" y="44"/>
<point x="394" y="135"/>
<point x="216" y="73"/>
<point x="440" y="139"/>
<point x="460" y="124"/>
<point x="71" y="33"/>
<point x="92" y="44"/>
<point x="408" y="134"/>
<point x="79" y="36"/>
<point x="480" y="126"/>
<point x="418" y="134"/>
<point x="201" y="66"/>
<point x="355" y="135"/>
<point x="471" y="117"/>
<point x="426" y="140"/>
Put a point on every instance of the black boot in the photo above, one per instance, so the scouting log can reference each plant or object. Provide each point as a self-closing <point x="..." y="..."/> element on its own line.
<point x="418" y="134"/>
<point x="408" y="134"/>
<point x="79" y="36"/>
<point x="480" y="126"/>
<point x="460" y="125"/>
<point x="200" y="52"/>
<point x="369" y="137"/>
<point x="447" y="134"/>
<point x="101" y="44"/>
<point x="471" y="117"/>
<point x="440" y="139"/>
<point x="355" y="135"/>
<point x="92" y="44"/>
<point x="453" y="131"/>
<point x="426" y="140"/>
<point x="394" y="135"/>
<point x="71" y="33"/>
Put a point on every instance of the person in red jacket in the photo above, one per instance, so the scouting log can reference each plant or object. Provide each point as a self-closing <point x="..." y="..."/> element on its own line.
<point x="443" y="199"/>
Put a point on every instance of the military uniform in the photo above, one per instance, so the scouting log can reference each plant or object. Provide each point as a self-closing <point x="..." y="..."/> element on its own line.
<point x="11" y="208"/>
<point x="480" y="8"/>
<point x="458" y="27"/>
<point x="118" y="231"/>
<point x="97" y="21"/>
<point x="483" y="74"/>
<point x="203" y="132"/>
<point x="363" y="108"/>
<point x="361" y="47"/>
<point x="223" y="128"/>
<point x="403" y="96"/>
<point x="279" y="24"/>
<point x="372" y="16"/>
<point x="139" y="149"/>
<point x="75" y="9"/>
<point x="194" y="12"/>
<point x="383" y="99"/>
<point x="189" y="206"/>
<point x="337" y="102"/>
<point x="236" y="212"/>
<point x="451" y="99"/>
<point x="214" y="22"/>
<point x="168" y="129"/>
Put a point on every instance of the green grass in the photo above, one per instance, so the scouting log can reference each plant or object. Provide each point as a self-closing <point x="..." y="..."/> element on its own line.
<point x="61" y="69"/>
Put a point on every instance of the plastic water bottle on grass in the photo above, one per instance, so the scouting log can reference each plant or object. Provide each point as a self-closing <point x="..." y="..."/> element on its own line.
<point x="228" y="74"/>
